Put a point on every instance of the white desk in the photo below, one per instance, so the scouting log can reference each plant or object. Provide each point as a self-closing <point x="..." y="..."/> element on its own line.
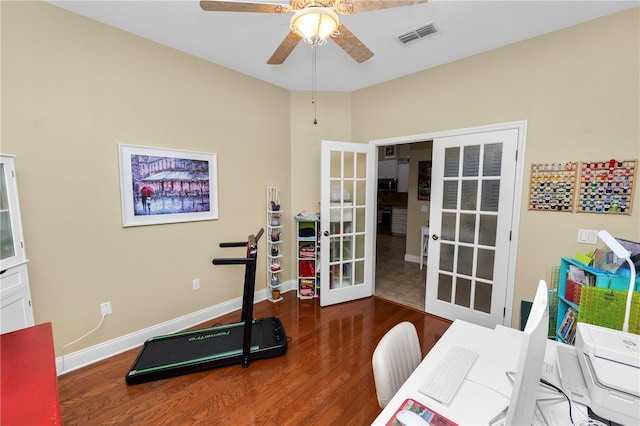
<point x="486" y="390"/>
<point x="424" y="243"/>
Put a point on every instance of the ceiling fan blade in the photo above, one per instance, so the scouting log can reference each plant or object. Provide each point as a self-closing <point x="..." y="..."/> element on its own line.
<point x="347" y="7"/>
<point x="284" y="50"/>
<point x="233" y="6"/>
<point x="352" y="45"/>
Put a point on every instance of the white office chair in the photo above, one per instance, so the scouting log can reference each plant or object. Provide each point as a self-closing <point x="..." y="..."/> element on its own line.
<point x="398" y="353"/>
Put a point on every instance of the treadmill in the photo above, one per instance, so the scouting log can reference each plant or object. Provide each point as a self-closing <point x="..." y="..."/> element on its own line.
<point x="188" y="352"/>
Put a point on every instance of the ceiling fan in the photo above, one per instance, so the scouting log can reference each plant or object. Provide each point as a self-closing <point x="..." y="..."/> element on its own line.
<point x="326" y="23"/>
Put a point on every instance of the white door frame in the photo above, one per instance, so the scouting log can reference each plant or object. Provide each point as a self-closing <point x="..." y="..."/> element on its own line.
<point x="521" y="127"/>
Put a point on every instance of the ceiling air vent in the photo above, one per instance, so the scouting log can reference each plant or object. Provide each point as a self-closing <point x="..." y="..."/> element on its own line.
<point x="417" y="33"/>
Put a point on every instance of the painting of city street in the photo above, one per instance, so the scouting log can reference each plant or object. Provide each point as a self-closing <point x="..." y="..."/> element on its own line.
<point x="166" y="186"/>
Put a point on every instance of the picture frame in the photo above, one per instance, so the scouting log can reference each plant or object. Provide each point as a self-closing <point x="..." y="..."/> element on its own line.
<point x="424" y="180"/>
<point x="390" y="151"/>
<point x="161" y="185"/>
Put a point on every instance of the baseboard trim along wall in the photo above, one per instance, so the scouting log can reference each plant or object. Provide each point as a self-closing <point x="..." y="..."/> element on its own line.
<point x="90" y="355"/>
<point x="411" y="258"/>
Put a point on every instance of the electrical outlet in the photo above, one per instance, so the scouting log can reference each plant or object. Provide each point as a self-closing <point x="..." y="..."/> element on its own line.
<point x="196" y="284"/>
<point x="105" y="308"/>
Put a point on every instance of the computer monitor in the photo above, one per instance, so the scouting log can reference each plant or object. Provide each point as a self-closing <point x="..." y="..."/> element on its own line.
<point x="527" y="379"/>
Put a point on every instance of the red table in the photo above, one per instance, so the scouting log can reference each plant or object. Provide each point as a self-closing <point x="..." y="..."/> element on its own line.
<point x="29" y="391"/>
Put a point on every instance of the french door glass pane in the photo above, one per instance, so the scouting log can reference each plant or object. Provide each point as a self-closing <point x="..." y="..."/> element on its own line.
<point x="471" y="161"/>
<point x="465" y="260"/>
<point x="485" y="264"/>
<point x="336" y="164"/>
<point x="361" y="162"/>
<point x="469" y="194"/>
<point x="488" y="227"/>
<point x="467" y="228"/>
<point x="358" y="267"/>
<point x="492" y="163"/>
<point x="349" y="165"/>
<point x="360" y="195"/>
<point x="446" y="257"/>
<point x="451" y="162"/>
<point x="490" y="195"/>
<point x="360" y="220"/>
<point x="448" y="231"/>
<point x="450" y="194"/>
<point x="359" y="246"/>
<point x="463" y="292"/>
<point x="482" y="301"/>
<point x="445" y="285"/>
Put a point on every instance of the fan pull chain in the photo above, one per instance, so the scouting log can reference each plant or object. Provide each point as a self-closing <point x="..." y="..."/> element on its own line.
<point x="313" y="84"/>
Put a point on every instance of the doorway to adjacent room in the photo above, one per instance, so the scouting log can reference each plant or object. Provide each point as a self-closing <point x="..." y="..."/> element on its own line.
<point x="396" y="279"/>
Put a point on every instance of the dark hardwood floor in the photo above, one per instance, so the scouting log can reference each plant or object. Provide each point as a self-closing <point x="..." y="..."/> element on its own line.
<point x="325" y="378"/>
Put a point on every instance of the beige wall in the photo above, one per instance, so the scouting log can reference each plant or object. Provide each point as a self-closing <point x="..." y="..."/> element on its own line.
<point x="579" y="91"/>
<point x="72" y="89"/>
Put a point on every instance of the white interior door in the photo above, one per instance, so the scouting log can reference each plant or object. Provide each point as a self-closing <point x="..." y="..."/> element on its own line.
<point x="347" y="207"/>
<point x="472" y="203"/>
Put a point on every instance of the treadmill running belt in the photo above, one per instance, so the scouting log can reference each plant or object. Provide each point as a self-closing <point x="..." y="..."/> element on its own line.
<point x="201" y="345"/>
<point x="191" y="351"/>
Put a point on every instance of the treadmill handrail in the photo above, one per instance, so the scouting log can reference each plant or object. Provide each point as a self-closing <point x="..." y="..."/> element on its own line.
<point x="234" y="261"/>
<point x="250" y="239"/>
<point x="236" y="244"/>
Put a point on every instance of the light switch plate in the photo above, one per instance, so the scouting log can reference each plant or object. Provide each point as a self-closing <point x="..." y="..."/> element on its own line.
<point x="587" y="236"/>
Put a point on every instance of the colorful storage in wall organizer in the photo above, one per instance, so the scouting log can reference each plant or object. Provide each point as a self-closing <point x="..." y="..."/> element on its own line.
<point x="606" y="186"/>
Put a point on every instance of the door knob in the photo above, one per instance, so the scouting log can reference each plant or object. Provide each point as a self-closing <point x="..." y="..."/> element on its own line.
<point x="326" y="233"/>
<point x="434" y="237"/>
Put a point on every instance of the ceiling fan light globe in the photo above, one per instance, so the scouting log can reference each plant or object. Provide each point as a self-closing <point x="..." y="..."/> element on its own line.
<point x="315" y="24"/>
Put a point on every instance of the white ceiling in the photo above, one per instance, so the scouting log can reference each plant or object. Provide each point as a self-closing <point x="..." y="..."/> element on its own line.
<point x="244" y="41"/>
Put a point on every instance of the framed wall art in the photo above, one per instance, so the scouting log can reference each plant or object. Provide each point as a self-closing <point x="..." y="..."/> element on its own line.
<point x="390" y="151"/>
<point x="159" y="185"/>
<point x="424" y="180"/>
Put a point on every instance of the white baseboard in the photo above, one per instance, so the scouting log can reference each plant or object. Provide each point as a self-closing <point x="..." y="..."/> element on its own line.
<point x="411" y="258"/>
<point x="84" y="357"/>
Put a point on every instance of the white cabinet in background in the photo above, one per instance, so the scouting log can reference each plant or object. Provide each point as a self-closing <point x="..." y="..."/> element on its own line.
<point x="399" y="221"/>
<point x="403" y="177"/>
<point x="15" y="295"/>
<point x="387" y="169"/>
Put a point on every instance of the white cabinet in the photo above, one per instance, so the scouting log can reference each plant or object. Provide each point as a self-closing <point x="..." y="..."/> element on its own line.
<point x="399" y="221"/>
<point x="15" y="300"/>
<point x="387" y="169"/>
<point x="12" y="251"/>
<point x="274" y="244"/>
<point x="403" y="177"/>
<point x="15" y="295"/>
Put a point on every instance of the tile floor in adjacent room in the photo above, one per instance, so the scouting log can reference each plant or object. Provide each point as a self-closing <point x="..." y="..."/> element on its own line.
<point x="396" y="280"/>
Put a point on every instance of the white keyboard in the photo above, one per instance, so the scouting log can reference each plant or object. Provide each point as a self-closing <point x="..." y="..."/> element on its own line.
<point x="445" y="380"/>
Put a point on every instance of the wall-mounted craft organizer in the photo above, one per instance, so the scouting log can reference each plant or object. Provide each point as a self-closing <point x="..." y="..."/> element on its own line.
<point x="552" y="186"/>
<point x="606" y="187"/>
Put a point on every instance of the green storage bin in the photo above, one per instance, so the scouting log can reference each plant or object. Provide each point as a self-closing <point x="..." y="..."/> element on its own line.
<point x="606" y="308"/>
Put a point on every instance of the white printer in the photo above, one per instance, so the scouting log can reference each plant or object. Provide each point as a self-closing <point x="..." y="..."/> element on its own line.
<point x="610" y="363"/>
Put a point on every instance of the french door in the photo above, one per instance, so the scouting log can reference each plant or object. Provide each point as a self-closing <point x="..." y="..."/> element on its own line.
<point x="472" y="205"/>
<point x="347" y="206"/>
